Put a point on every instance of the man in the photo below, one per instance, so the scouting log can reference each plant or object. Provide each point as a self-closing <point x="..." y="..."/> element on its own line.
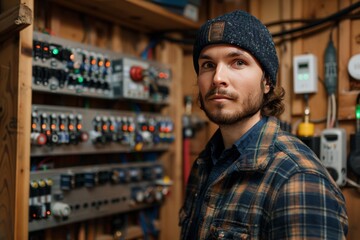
<point x="253" y="180"/>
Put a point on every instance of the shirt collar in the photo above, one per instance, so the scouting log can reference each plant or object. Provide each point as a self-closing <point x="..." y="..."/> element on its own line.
<point x="255" y="146"/>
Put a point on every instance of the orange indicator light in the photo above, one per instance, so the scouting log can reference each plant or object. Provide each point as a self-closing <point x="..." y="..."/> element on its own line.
<point x="163" y="75"/>
<point x="131" y="128"/>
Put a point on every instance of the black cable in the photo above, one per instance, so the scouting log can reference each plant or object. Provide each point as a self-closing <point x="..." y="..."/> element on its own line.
<point x="353" y="16"/>
<point x="302" y="35"/>
<point x="319" y="22"/>
<point x="341" y="15"/>
<point x="281" y="22"/>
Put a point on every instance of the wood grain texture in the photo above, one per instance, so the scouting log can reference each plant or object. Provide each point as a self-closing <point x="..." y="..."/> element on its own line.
<point x="15" y="105"/>
<point x="14" y="20"/>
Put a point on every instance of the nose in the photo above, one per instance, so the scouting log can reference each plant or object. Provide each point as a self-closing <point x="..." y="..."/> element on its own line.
<point x="220" y="76"/>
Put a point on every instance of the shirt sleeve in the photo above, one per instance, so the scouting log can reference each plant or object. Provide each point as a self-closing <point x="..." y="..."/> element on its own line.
<point x="309" y="207"/>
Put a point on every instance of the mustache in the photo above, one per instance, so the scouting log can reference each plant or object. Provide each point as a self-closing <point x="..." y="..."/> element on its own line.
<point x="220" y="91"/>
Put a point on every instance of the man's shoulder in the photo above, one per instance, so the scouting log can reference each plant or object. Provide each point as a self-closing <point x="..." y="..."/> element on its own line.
<point x="293" y="155"/>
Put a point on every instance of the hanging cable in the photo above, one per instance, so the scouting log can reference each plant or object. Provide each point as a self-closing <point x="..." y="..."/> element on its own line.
<point x="331" y="79"/>
<point x="332" y="17"/>
<point x="310" y="26"/>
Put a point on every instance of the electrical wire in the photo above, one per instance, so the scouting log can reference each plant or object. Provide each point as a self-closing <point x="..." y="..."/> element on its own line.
<point x="353" y="183"/>
<point x="333" y="119"/>
<point x="309" y="27"/>
<point x="332" y="17"/>
<point x="328" y="115"/>
<point x="186" y="160"/>
<point x="331" y="111"/>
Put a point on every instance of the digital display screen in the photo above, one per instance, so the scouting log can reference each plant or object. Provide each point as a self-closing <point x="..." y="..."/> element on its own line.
<point x="303" y="65"/>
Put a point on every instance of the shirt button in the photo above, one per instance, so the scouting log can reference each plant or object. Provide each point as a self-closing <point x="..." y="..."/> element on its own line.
<point x="221" y="235"/>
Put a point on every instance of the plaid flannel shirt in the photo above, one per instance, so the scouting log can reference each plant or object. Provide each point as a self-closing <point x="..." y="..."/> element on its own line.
<point x="276" y="189"/>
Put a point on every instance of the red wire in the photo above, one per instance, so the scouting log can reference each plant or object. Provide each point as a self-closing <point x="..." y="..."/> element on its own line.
<point x="186" y="156"/>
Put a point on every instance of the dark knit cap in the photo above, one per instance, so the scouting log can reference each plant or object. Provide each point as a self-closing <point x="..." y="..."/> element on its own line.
<point x="241" y="29"/>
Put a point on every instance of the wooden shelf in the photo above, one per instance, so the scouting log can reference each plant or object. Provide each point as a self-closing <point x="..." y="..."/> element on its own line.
<point x="141" y="15"/>
<point x="14" y="20"/>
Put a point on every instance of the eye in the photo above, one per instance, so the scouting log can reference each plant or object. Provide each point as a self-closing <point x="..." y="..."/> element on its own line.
<point x="207" y="65"/>
<point x="239" y="63"/>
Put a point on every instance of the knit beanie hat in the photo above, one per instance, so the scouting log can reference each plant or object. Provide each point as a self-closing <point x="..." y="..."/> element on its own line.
<point x="241" y="29"/>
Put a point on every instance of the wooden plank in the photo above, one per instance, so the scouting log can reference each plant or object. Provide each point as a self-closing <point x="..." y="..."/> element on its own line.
<point x="171" y="54"/>
<point x="14" y="20"/>
<point x="316" y="44"/>
<point x="347" y="102"/>
<point x="140" y="15"/>
<point x="23" y="135"/>
<point x="297" y="105"/>
<point x="344" y="51"/>
<point x="285" y="54"/>
<point x="15" y="106"/>
<point x="217" y="8"/>
<point x="255" y="8"/>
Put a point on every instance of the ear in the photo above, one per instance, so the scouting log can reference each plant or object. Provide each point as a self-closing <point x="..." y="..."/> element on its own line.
<point x="267" y="86"/>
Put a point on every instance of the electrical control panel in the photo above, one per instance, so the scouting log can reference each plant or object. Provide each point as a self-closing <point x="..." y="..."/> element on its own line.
<point x="305" y="73"/>
<point x="90" y="162"/>
<point x="333" y="153"/>
<point x="61" y="66"/>
<point x="62" y="131"/>
<point x="66" y="195"/>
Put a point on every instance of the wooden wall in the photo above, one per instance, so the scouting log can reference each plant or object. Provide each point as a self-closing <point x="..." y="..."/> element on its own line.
<point x="14" y="161"/>
<point x="15" y="112"/>
<point x="15" y="100"/>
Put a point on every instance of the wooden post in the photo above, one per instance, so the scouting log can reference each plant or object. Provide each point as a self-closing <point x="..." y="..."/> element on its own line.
<point x="15" y="112"/>
<point x="172" y="54"/>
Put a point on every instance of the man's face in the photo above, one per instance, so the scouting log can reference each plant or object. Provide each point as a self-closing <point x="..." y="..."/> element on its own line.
<point x="231" y="84"/>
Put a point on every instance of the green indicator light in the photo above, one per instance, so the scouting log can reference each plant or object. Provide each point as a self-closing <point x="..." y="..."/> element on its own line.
<point x="300" y="77"/>
<point x="306" y="76"/>
<point x="80" y="79"/>
<point x="357" y="111"/>
<point x="55" y="51"/>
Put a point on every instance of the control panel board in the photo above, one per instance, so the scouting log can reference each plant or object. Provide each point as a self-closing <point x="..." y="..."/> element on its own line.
<point x="61" y="66"/>
<point x="91" y="162"/>
<point x="66" y="195"/>
<point x="63" y="130"/>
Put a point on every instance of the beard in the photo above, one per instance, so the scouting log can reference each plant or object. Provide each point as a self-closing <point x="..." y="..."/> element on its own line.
<point x="220" y="116"/>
